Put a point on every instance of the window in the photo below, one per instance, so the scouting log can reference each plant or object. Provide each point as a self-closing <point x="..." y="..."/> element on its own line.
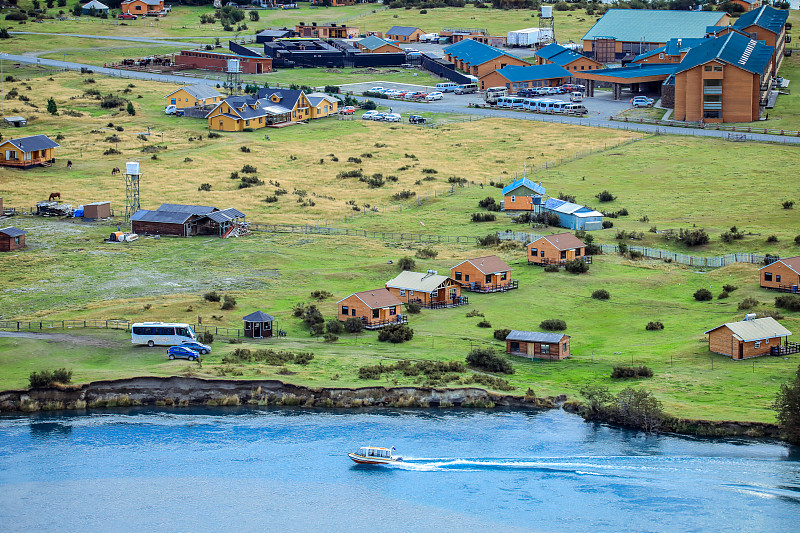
<point x="458" y="276"/>
<point x="393" y="311"/>
<point x="766" y="341"/>
<point x="513" y="199"/>
<point x="220" y="124"/>
<point x="353" y="312"/>
<point x="376" y="313"/>
<point x="757" y="344"/>
<point x="534" y="252"/>
<point x="707" y="68"/>
<point x="541" y="253"/>
<point x="453" y="293"/>
<point x="402" y="292"/>
<point x="345" y="310"/>
<point x="16" y="240"/>
<point x="411" y="293"/>
<point x="582" y="67"/>
<point x="661" y="55"/>
<point x="717" y="68"/>
<point x="777" y="278"/>
<point x="544" y="349"/>
<point x="466" y="277"/>
<point x="503" y="276"/>
<point x="564" y="349"/>
<point x="488" y="278"/>
<point x="563" y="254"/>
<point x="767" y="276"/>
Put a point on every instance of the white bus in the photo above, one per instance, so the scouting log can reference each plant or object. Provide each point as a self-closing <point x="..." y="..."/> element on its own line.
<point x="161" y="333"/>
<point x="493" y="93"/>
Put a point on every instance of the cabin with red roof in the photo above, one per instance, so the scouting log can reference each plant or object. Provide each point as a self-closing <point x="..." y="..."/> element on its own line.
<point x="376" y="308"/>
<point x="782" y="275"/>
<point x="557" y="249"/>
<point x="484" y="274"/>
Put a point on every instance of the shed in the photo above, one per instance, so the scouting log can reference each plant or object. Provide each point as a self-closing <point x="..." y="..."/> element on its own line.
<point x="783" y="274"/>
<point x="406" y="34"/>
<point x="574" y="216"/>
<point x="522" y="195"/>
<point x="97" y="210"/>
<point x="748" y="338"/>
<point x="16" y="121"/>
<point x="11" y="239"/>
<point x="258" y="325"/>
<point x="537" y="345"/>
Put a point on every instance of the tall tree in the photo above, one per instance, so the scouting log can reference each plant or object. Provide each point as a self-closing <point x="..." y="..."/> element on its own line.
<point x="52" y="108"/>
<point x="787" y="404"/>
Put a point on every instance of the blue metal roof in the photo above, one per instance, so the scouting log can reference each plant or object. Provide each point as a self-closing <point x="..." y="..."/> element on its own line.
<point x="402" y="30"/>
<point x="568" y="208"/>
<point x="674" y="47"/>
<point x="734" y="49"/>
<point x="558" y="54"/>
<point x="637" y="71"/>
<point x="524" y="182"/>
<point x="475" y="53"/>
<point x="652" y="25"/>
<point x="766" y="17"/>
<point x="372" y="42"/>
<point x="514" y="73"/>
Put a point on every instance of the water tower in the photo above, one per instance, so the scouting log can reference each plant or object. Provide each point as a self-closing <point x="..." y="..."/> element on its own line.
<point x="132" y="176"/>
<point x="234" y="70"/>
<point x="547" y="22"/>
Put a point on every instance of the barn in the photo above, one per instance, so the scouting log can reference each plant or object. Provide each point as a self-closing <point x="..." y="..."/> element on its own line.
<point x="484" y="274"/>
<point x="783" y="274"/>
<point x="748" y="338"/>
<point x="557" y="249"/>
<point x="11" y="239"/>
<point x="186" y="220"/>
<point x="536" y="345"/>
<point x="376" y="308"/>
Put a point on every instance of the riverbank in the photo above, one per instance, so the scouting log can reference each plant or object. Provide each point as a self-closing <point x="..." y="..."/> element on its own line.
<point x="189" y="392"/>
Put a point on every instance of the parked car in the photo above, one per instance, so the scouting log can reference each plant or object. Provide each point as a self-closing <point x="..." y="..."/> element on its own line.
<point x="392" y="117"/>
<point x="576" y="96"/>
<point x="416" y="119"/>
<point x="347" y="110"/>
<point x="527" y="93"/>
<point x="379" y="116"/>
<point x="415" y="95"/>
<point x="642" y="101"/>
<point x="198" y="347"/>
<point x="127" y="16"/>
<point x="434" y="96"/>
<point x="370" y="115"/>
<point x="181" y="352"/>
<point x="378" y="90"/>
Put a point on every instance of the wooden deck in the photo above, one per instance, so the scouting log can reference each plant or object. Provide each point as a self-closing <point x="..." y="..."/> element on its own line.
<point x="461" y="300"/>
<point x="483" y="288"/>
<point x="19" y="163"/>
<point x="378" y="324"/>
<point x="786" y="349"/>
<point x="543" y="261"/>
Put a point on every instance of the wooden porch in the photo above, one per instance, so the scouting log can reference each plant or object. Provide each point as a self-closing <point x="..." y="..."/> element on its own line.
<point x="461" y="300"/>
<point x="27" y="163"/>
<point x="785" y="288"/>
<point x="786" y="349"/>
<point x="379" y="324"/>
<point x="476" y="286"/>
<point x="543" y="261"/>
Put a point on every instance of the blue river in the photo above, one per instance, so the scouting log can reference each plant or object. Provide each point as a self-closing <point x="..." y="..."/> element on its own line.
<point x="285" y="469"/>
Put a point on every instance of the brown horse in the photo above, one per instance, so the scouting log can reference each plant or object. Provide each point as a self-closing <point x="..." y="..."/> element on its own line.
<point x="54" y="195"/>
<point x="115" y="170"/>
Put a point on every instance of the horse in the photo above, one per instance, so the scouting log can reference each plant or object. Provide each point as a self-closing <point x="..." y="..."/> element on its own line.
<point x="69" y="164"/>
<point x="53" y="196"/>
<point x="115" y="170"/>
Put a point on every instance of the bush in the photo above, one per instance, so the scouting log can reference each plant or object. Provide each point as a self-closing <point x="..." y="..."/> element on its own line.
<point x="52" y="108"/>
<point x="228" y="302"/>
<point x="321" y="294"/>
<point x="787" y="406"/>
<point x="490" y="240"/>
<point x="17" y="15"/>
<point x="303" y="358"/>
<point x="654" y="326"/>
<point x="487" y="359"/>
<point x="695" y="237"/>
<point x="248" y="169"/>
<point x="723" y="295"/>
<point x="772" y="239"/>
<point x="551" y="268"/>
<point x="413" y="308"/>
<point x="607" y="224"/>
<point x="601" y="294"/>
<point x="334" y="326"/>
<point x="788" y="301"/>
<point x="553" y="324"/>
<point x="130" y="109"/>
<point x="576" y="266"/>
<point x="403" y="195"/>
<point x="729" y="288"/>
<point x="788" y="204"/>
<point x="426" y="253"/>
<point x="484" y="324"/>
<point x="204" y="187"/>
<point x="46" y="378"/>
<point x="748" y="303"/>
<point x="703" y="295"/>
<point x="483" y="217"/>
<point x="206" y="337"/>
<point x="626" y="372"/>
<point x="605" y="196"/>
<point x="212" y="296"/>
<point x="406" y="263"/>
<point x="271" y="199"/>
<point x="501" y="334"/>
<point x="396" y="333"/>
<point x="330" y="337"/>
<point x="110" y="101"/>
<point x="353" y="325"/>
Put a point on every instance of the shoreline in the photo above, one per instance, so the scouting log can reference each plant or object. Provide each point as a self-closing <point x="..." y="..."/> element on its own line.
<point x="176" y="391"/>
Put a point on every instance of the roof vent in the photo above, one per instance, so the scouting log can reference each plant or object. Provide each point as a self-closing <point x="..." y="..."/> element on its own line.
<point x="432" y="272"/>
<point x="749" y="316"/>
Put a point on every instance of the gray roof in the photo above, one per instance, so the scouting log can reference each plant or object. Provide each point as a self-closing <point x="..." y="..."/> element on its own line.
<point x="534" y="336"/>
<point x="417" y="281"/>
<point x="200" y="91"/>
<point x="164" y="217"/>
<point x="226" y="215"/>
<point x="274" y="33"/>
<point x="11" y="231"/>
<point x="191" y="209"/>
<point x="148" y="2"/>
<point x="755" y="330"/>
<point x="258" y="316"/>
<point x="95" y="4"/>
<point x="402" y="30"/>
<point x="34" y="142"/>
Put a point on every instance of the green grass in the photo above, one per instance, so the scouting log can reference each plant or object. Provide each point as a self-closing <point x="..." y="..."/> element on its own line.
<point x="96" y="280"/>
<point x="635" y="113"/>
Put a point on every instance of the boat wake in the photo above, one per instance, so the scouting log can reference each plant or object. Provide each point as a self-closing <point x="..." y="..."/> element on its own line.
<point x="581" y="468"/>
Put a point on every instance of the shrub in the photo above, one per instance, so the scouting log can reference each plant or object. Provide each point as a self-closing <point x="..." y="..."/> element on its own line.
<point x="703" y="295"/>
<point x="52" y="108"/>
<point x="111" y="151"/>
<point x="429" y="171"/>
<point x="748" y="303"/>
<point x="501" y="334"/>
<point x="330" y="337"/>
<point x="406" y="263"/>
<point x="695" y="237"/>
<point x="605" y="196"/>
<point x="45" y="378"/>
<point x="212" y="296"/>
<point x="303" y="358"/>
<point x="601" y="294"/>
<point x="110" y="101"/>
<point x="490" y="240"/>
<point x="483" y="217"/>
<point x="723" y="295"/>
<point x="369" y="372"/>
<point x="553" y="324"/>
<point x="333" y="326"/>
<point x="403" y="195"/>
<point x="626" y="372"/>
<point x="206" y="337"/>
<point x="487" y="359"/>
<point x="788" y="204"/>
<point x="353" y="325"/>
<point x="204" y="187"/>
<point x="321" y="294"/>
<point x="248" y="169"/>
<point x="228" y="302"/>
<point x="607" y="224"/>
<point x="484" y="324"/>
<point x="551" y="268"/>
<point x="311" y="316"/>
<point x="772" y="238"/>
<point x="655" y="325"/>
<point x="214" y="135"/>
<point x="788" y="301"/>
<point x="426" y="253"/>
<point x="413" y="308"/>
<point x="130" y="109"/>
<point x="729" y="288"/>
<point x="354" y="159"/>
<point x="271" y="199"/>
<point x="576" y="266"/>
<point x="396" y="333"/>
<point x="17" y="15"/>
<point x="732" y="235"/>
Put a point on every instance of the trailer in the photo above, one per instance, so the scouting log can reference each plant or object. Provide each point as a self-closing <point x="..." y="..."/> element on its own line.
<point x="529" y="37"/>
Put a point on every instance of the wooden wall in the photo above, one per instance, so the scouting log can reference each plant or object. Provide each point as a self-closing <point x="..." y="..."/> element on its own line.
<point x="787" y="275"/>
<point x="9" y="244"/>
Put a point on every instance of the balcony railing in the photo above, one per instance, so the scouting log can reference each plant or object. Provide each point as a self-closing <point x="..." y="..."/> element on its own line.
<point x="714" y="106"/>
<point x="371" y="323"/>
<point x="461" y="300"/>
<point x="544" y="261"/>
<point x="475" y="286"/>
<point x="712" y="89"/>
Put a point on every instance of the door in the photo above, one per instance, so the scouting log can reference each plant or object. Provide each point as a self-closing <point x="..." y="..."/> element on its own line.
<point x="257" y="330"/>
<point x="741" y="350"/>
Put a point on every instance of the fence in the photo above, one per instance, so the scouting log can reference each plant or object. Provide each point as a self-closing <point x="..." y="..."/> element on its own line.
<point x="702" y="126"/>
<point x="29" y="325"/>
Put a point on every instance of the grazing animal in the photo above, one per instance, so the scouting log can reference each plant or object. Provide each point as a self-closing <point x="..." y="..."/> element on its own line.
<point x="69" y="164"/>
<point x="54" y="195"/>
<point x="115" y="170"/>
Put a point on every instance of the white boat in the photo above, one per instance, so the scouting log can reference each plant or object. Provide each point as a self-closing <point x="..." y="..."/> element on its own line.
<point x="374" y="455"/>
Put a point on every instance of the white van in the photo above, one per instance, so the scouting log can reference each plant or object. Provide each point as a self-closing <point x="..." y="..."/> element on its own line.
<point x="558" y="107"/>
<point x="466" y="88"/>
<point x="576" y="96"/>
<point x="575" y="109"/>
<point x="493" y="93"/>
<point x="543" y="105"/>
<point x="446" y="87"/>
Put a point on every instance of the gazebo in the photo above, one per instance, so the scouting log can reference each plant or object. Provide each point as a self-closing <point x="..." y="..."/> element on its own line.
<point x="258" y="325"/>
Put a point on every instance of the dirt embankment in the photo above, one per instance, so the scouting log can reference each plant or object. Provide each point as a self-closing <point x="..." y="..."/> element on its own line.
<point x="184" y="391"/>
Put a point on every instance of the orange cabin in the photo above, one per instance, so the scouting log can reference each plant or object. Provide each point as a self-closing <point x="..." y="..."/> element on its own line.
<point x="556" y="249"/>
<point x="376" y="308"/>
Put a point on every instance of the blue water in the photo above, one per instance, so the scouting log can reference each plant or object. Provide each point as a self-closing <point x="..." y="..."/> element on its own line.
<point x="286" y="470"/>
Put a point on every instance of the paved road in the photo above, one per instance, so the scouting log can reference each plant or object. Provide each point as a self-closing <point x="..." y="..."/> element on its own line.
<point x="444" y="106"/>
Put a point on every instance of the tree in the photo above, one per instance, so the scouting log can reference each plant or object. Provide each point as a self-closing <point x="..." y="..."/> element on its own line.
<point x="254" y="16"/>
<point x="131" y="110"/>
<point x="787" y="405"/>
<point x="52" y="108"/>
<point x="77" y="11"/>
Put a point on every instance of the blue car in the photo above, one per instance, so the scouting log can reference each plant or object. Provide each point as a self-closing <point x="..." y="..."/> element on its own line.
<point x="181" y="352"/>
<point x="198" y="347"/>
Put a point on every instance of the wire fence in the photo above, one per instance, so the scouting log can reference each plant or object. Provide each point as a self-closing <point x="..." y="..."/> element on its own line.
<point x="42" y="325"/>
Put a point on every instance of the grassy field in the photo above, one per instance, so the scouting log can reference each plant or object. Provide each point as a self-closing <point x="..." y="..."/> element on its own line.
<point x="164" y="279"/>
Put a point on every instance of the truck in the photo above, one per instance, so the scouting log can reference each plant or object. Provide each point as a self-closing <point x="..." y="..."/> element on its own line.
<point x="429" y="38"/>
<point x="529" y="37"/>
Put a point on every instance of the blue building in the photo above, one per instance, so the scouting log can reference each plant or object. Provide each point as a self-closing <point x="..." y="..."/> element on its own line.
<point x="574" y="216"/>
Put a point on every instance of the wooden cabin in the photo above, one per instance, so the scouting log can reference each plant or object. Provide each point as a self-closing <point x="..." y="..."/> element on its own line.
<point x="258" y="325"/>
<point x="404" y="34"/>
<point x="783" y="274"/>
<point x="11" y="239"/>
<point x="557" y="249"/>
<point x="748" y="338"/>
<point x="26" y="152"/>
<point x="143" y="7"/>
<point x="536" y="345"/>
<point x="484" y="274"/>
<point x="322" y="105"/>
<point x="522" y="195"/>
<point x="376" y="45"/>
<point x="294" y="100"/>
<point x="515" y="78"/>
<point x="194" y="95"/>
<point x="571" y="60"/>
<point x="428" y="289"/>
<point x="376" y="309"/>
<point x="235" y="113"/>
<point x="187" y="220"/>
